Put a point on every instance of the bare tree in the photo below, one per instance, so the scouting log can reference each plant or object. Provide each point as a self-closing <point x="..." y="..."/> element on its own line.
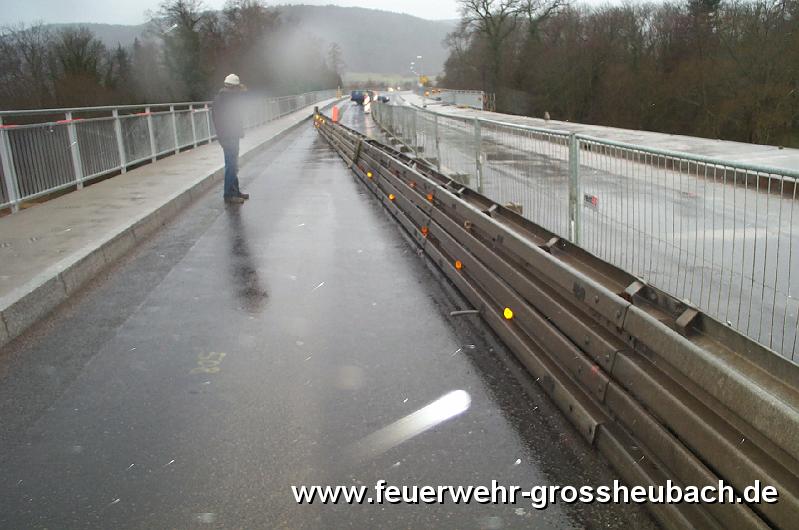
<point x="178" y="24"/>
<point x="495" y="21"/>
<point x="335" y="58"/>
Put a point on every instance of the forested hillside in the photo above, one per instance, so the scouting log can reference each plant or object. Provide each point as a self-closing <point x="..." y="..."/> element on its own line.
<point x="718" y="69"/>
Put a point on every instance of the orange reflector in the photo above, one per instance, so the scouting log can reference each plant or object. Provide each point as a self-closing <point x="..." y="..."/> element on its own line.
<point x="458" y="264"/>
<point x="430" y="197"/>
<point x="369" y="174"/>
<point x="391" y="196"/>
<point x="425" y="231"/>
<point x="508" y="313"/>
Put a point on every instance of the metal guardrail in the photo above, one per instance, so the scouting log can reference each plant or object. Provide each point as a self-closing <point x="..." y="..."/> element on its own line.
<point x="721" y="236"/>
<point x="85" y="143"/>
<point x="657" y="387"/>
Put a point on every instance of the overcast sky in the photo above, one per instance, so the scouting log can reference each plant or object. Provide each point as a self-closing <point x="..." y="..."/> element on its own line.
<point x="133" y="11"/>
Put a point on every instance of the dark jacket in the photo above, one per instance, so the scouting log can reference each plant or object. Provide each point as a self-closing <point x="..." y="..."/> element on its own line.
<point x="228" y="115"/>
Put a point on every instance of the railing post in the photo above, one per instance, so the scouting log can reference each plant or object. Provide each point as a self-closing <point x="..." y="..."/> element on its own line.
<point x="414" y="136"/>
<point x="151" y="131"/>
<point x="437" y="140"/>
<point x="574" y="189"/>
<point x="208" y="122"/>
<point x="478" y="157"/>
<point x="174" y="127"/>
<point x="9" y="171"/>
<point x="123" y="162"/>
<point x="193" y="126"/>
<point x="77" y="164"/>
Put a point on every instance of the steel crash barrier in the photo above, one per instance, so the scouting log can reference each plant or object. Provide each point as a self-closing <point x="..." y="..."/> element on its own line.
<point x="719" y="235"/>
<point x="49" y="150"/>
<point x="656" y="386"/>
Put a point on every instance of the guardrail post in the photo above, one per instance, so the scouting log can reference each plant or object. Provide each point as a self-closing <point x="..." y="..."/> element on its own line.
<point x="574" y="189"/>
<point x="9" y="171"/>
<point x="175" y="128"/>
<point x="77" y="164"/>
<point x="437" y="140"/>
<point x="123" y="162"/>
<point x="478" y="157"/>
<point x="151" y="132"/>
<point x="193" y="126"/>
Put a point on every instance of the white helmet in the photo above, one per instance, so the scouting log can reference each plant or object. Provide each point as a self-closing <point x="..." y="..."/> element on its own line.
<point x="232" y="80"/>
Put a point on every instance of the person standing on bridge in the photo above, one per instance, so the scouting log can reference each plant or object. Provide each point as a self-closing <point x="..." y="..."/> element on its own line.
<point x="229" y="123"/>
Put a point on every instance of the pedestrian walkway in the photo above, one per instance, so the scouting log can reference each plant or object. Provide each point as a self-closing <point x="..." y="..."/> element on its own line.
<point x="49" y="251"/>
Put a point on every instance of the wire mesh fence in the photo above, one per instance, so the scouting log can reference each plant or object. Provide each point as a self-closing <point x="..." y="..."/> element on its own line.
<point x="85" y="143"/>
<point x="721" y="236"/>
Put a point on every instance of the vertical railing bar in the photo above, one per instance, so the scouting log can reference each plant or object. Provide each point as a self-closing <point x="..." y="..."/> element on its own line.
<point x="193" y="126"/>
<point x="151" y="133"/>
<point x="77" y="163"/>
<point x="174" y="128"/>
<point x="574" y="189"/>
<point x="478" y="147"/>
<point x="9" y="171"/>
<point x="123" y="164"/>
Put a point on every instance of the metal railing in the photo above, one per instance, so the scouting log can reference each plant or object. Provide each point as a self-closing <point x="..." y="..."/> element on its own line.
<point x="721" y="236"/>
<point x="76" y="145"/>
<point x="608" y="361"/>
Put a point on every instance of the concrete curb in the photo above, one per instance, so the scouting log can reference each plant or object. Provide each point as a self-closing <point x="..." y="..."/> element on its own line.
<point x="33" y="301"/>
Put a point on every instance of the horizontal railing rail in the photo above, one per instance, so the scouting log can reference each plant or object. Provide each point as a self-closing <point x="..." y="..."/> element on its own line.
<point x="721" y="236"/>
<point x="73" y="146"/>
<point x="656" y="386"/>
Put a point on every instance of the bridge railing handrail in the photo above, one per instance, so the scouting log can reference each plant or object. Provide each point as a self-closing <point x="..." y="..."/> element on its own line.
<point x="720" y="235"/>
<point x="110" y="108"/>
<point x="86" y="143"/>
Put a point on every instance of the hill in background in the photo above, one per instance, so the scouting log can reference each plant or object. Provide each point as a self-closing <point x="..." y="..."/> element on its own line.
<point x="374" y="43"/>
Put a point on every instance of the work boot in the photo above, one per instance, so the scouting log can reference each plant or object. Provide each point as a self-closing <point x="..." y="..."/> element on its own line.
<point x="234" y="200"/>
<point x="244" y="196"/>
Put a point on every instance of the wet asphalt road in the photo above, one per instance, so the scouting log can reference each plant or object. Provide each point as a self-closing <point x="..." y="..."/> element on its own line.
<point x="243" y="350"/>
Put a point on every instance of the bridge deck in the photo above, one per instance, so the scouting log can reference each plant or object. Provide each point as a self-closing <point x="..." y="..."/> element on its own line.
<point x="57" y="244"/>
<point x="246" y="349"/>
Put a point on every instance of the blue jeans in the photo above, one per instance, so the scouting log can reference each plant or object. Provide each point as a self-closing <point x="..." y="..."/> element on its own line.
<point x="231" y="149"/>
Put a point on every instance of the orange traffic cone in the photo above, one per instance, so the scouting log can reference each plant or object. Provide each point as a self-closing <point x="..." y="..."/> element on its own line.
<point x="335" y="114"/>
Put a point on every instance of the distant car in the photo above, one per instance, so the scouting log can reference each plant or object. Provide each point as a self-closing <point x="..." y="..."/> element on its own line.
<point x="383" y="99"/>
<point x="357" y="96"/>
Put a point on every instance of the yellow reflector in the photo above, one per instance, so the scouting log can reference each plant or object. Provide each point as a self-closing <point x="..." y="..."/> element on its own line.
<point x="508" y="313"/>
<point x="458" y="264"/>
<point x="391" y="197"/>
<point x="369" y="174"/>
